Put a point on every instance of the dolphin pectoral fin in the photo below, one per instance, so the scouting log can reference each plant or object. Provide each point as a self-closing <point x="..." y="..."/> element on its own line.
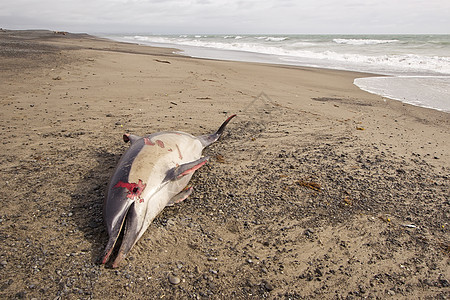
<point x="208" y="139"/>
<point x="185" y="169"/>
<point x="130" y="138"/>
<point x="181" y="196"/>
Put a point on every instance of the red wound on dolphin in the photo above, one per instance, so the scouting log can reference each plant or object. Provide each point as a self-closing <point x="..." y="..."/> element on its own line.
<point x="179" y="152"/>
<point x="148" y="142"/>
<point x="134" y="189"/>
<point x="160" y="143"/>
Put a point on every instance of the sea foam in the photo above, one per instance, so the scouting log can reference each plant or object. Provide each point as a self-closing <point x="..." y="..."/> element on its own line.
<point x="363" y="41"/>
<point x="384" y="56"/>
<point x="418" y="65"/>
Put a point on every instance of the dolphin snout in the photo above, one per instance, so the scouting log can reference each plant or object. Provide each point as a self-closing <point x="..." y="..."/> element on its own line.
<point x="130" y="228"/>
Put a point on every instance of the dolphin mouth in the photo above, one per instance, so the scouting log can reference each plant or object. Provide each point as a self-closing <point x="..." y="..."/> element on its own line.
<point x="112" y="255"/>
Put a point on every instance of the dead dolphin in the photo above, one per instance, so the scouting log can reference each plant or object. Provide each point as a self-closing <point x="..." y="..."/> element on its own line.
<point x="151" y="175"/>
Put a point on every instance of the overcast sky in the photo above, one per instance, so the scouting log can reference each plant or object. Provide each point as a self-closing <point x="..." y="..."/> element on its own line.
<point x="219" y="16"/>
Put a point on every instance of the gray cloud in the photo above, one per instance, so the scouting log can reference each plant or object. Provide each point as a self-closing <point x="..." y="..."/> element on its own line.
<point x="238" y="16"/>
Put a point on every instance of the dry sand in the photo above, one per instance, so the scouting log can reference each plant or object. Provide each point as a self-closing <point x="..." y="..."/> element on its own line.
<point x="316" y="190"/>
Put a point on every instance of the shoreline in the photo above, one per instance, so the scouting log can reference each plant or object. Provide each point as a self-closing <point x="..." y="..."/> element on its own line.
<point x="266" y="61"/>
<point x="317" y="189"/>
<point x="173" y="51"/>
<point x="427" y="92"/>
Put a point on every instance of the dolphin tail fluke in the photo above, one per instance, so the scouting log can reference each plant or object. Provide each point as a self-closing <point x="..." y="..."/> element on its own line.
<point x="208" y="139"/>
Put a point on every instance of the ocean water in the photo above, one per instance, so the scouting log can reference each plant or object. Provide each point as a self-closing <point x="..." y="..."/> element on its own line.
<point x="415" y="68"/>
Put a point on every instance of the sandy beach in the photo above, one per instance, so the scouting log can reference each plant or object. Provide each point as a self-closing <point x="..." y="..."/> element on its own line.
<point x="317" y="190"/>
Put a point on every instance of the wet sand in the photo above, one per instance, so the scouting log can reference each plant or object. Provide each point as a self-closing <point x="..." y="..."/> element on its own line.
<point x="316" y="190"/>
